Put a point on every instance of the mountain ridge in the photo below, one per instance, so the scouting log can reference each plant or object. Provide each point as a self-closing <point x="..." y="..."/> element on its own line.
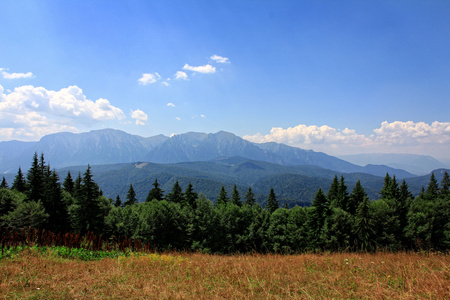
<point x="109" y="146"/>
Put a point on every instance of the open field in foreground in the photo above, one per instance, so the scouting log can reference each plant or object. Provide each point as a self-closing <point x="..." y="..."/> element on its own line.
<point x="33" y="275"/>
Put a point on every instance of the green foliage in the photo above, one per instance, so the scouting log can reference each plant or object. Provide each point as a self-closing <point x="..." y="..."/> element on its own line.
<point x="272" y="203"/>
<point x="131" y="197"/>
<point x="26" y="214"/>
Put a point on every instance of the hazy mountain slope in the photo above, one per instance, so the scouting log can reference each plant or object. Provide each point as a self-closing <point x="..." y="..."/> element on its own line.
<point x="413" y="163"/>
<point x="110" y="146"/>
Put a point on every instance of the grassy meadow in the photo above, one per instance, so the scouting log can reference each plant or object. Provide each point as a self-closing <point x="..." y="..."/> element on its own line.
<point x="36" y="274"/>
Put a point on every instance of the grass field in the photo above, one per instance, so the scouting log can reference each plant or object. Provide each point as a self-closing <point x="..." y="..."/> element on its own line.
<point x="31" y="274"/>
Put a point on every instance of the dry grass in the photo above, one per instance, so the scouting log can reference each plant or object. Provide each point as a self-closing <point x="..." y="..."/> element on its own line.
<point x="186" y="276"/>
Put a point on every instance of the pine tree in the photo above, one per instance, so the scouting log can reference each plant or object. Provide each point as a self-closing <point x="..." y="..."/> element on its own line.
<point x="250" y="197"/>
<point x="155" y="193"/>
<point x="356" y="197"/>
<point x="35" y="180"/>
<point x="235" y="197"/>
<point x="445" y="184"/>
<point x="190" y="196"/>
<point x="118" y="202"/>
<point x="176" y="195"/>
<point x="364" y="225"/>
<point x="4" y="184"/>
<point x="68" y="183"/>
<point x="223" y="198"/>
<point x="432" y="188"/>
<point x="19" y="183"/>
<point x="272" y="203"/>
<point x="131" y="197"/>
<point x="333" y="192"/>
<point x="54" y="205"/>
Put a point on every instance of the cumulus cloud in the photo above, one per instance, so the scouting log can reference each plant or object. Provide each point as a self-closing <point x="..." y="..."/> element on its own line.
<point x="140" y="116"/>
<point x="30" y="112"/>
<point x="149" y="78"/>
<point x="170" y="104"/>
<point x="200" y="69"/>
<point x="220" y="59"/>
<point x="395" y="137"/>
<point x="180" y="75"/>
<point x="178" y="118"/>
<point x="7" y="75"/>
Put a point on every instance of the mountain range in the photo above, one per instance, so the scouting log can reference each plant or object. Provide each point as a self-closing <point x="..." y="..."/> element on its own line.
<point x="110" y="146"/>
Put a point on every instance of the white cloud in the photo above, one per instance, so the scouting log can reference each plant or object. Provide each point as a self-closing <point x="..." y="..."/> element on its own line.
<point x="178" y="118"/>
<point x="149" y="78"/>
<point x="200" y="69"/>
<point x="202" y="116"/>
<point x="170" y="104"/>
<point x="395" y="137"/>
<point x="140" y="116"/>
<point x="220" y="59"/>
<point x="30" y="112"/>
<point x="7" y="75"/>
<point x="165" y="83"/>
<point x="180" y="75"/>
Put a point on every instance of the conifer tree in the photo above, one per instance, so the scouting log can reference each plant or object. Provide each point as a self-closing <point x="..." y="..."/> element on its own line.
<point x="4" y="184"/>
<point x="54" y="205"/>
<point x="223" y="198"/>
<point x="445" y="184"/>
<point x="250" y="197"/>
<point x="364" y="225"/>
<point x="356" y="198"/>
<point x="176" y="195"/>
<point x="190" y="195"/>
<point x="35" y="180"/>
<point x="235" y="197"/>
<point x="155" y="193"/>
<point x="118" y="202"/>
<point x="333" y="192"/>
<point x="19" y="183"/>
<point x="131" y="197"/>
<point x="432" y="188"/>
<point x="69" y="184"/>
<point x="272" y="203"/>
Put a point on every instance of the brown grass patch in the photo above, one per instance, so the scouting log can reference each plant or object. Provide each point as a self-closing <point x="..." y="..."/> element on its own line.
<point x="187" y="276"/>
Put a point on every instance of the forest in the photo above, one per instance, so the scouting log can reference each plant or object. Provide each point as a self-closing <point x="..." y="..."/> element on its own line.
<point x="182" y="219"/>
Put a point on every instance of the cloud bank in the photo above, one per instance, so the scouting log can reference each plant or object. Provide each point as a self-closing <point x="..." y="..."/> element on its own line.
<point x="396" y="137"/>
<point x="29" y="112"/>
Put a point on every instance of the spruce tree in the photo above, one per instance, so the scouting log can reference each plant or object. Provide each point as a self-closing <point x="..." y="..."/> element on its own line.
<point x="118" y="202"/>
<point x="190" y="196"/>
<point x="35" y="180"/>
<point x="68" y="183"/>
<point x="250" y="197"/>
<point x="364" y="226"/>
<point x="223" y="198"/>
<point x="4" y="184"/>
<point x="445" y="184"/>
<point x="432" y="188"/>
<point x="356" y="197"/>
<point x="235" y="197"/>
<point x="131" y="197"/>
<point x="155" y="193"/>
<point x="272" y="203"/>
<point x="333" y="192"/>
<point x="19" y="183"/>
<point x="176" y="195"/>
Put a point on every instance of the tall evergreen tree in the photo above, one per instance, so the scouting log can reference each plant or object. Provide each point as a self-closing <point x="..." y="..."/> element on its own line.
<point x="333" y="192"/>
<point x="235" y="197"/>
<point x="432" y="188"/>
<point x="54" y="205"/>
<point x="176" y="195"/>
<point x="190" y="196"/>
<point x="445" y="184"/>
<point x="356" y="198"/>
<point x="4" y="184"/>
<point x="364" y="226"/>
<point x="69" y="184"/>
<point x="223" y="198"/>
<point x="35" y="180"/>
<point x="155" y="193"/>
<point x="318" y="212"/>
<point x="250" y="197"/>
<point x="19" y="183"/>
<point x="272" y="203"/>
<point x="118" y="202"/>
<point x="131" y="197"/>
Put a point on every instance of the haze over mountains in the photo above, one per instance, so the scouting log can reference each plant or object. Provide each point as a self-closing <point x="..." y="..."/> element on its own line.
<point x="110" y="146"/>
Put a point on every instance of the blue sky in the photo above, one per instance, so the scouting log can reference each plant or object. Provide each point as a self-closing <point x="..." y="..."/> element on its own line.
<point x="338" y="77"/>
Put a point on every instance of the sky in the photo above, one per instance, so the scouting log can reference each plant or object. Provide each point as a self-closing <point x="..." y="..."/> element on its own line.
<point x="340" y="77"/>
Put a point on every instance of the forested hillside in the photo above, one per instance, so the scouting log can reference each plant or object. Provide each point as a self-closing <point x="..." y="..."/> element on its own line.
<point x="343" y="218"/>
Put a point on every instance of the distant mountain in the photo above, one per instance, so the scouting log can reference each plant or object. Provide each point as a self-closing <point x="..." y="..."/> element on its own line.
<point x="413" y="163"/>
<point x="110" y="146"/>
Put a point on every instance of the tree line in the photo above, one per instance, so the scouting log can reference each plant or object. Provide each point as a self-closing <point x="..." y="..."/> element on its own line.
<point x="337" y="220"/>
